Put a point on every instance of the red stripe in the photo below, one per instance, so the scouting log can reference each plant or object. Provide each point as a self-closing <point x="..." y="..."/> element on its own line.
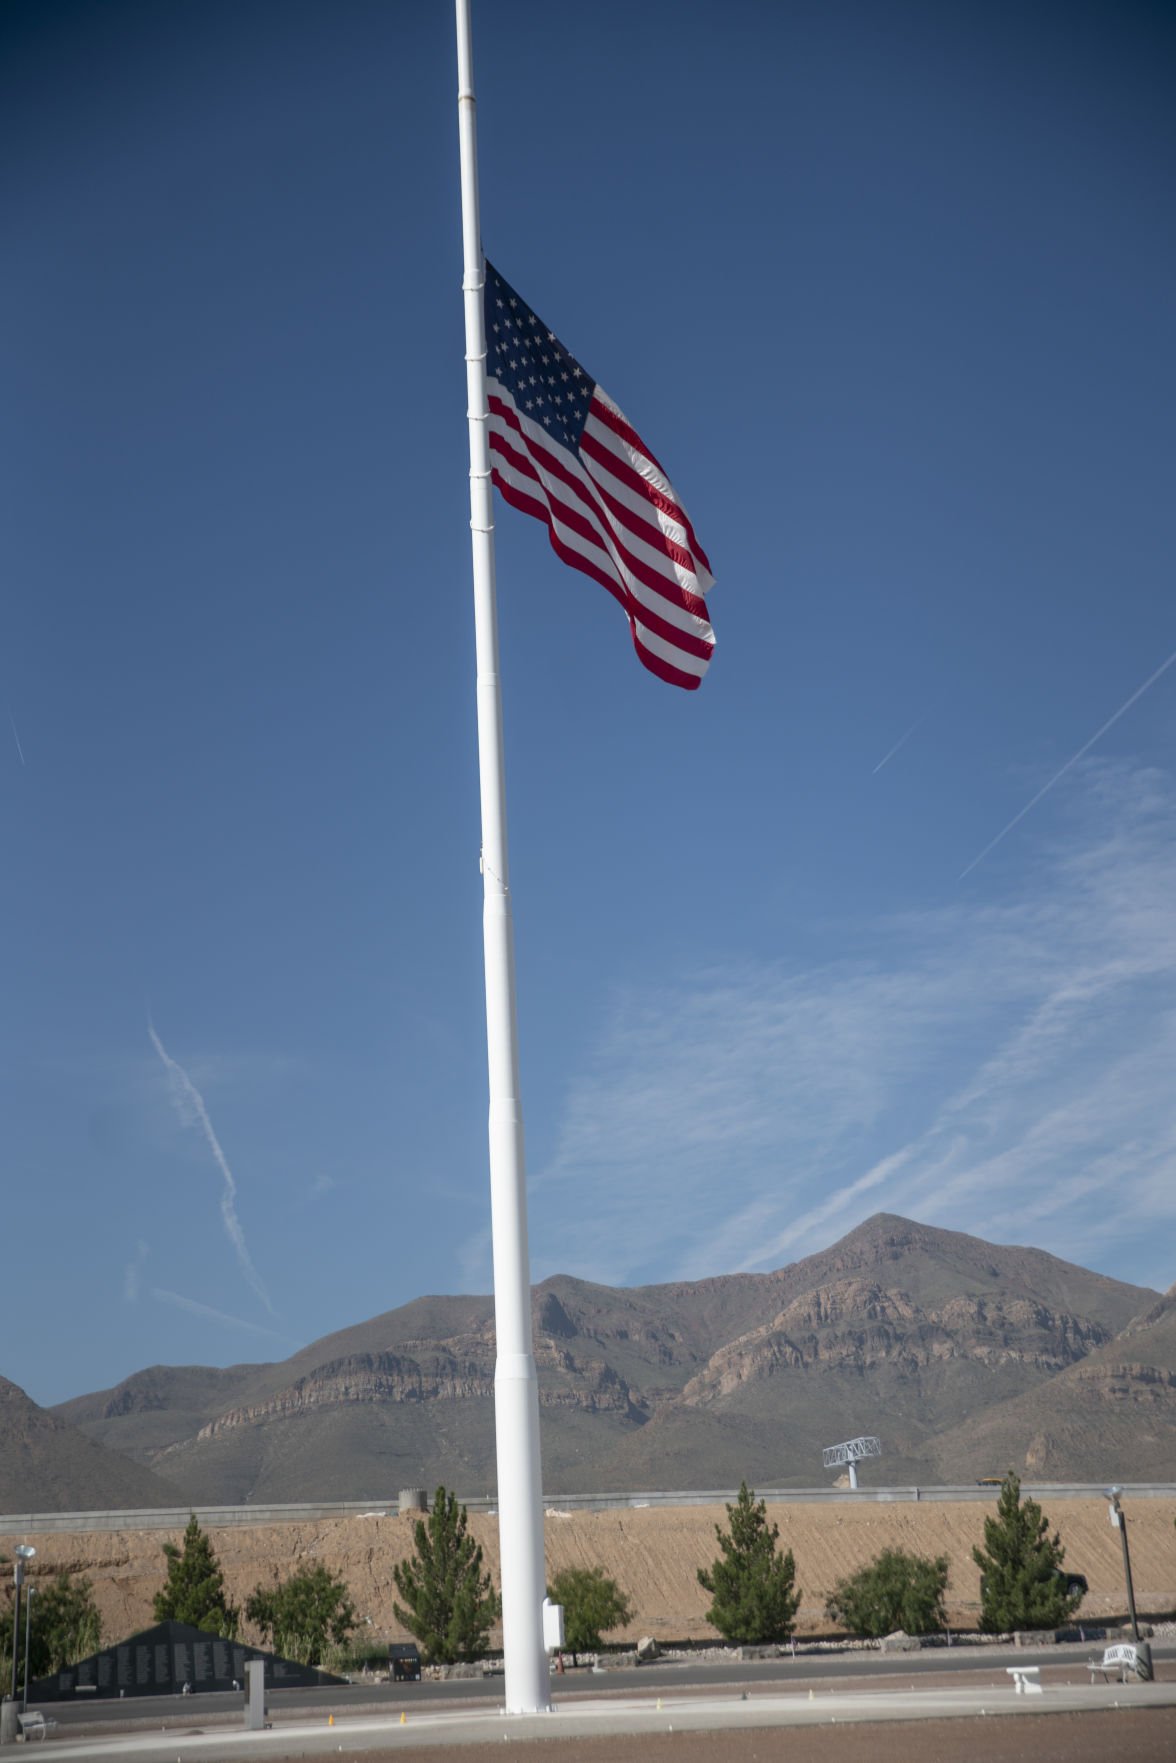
<point x="654" y="536"/>
<point x="640" y="486"/>
<point x="664" y="670"/>
<point x="673" y="676"/>
<point x="568" y="518"/>
<point x="667" y="585"/>
<point x="612" y="419"/>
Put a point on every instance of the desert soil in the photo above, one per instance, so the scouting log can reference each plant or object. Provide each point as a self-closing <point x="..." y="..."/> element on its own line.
<point x="653" y="1553"/>
<point x="1148" y="1736"/>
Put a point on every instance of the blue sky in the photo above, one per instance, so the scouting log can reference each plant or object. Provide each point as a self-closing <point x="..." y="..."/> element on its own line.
<point x="889" y="291"/>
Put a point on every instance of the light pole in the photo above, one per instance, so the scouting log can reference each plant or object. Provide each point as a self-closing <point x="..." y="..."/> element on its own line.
<point x="1118" y="1517"/>
<point x="23" y="1552"/>
<point x="24" y="1700"/>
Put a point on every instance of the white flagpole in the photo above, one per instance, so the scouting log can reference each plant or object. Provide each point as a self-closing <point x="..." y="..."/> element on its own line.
<point x="516" y="1395"/>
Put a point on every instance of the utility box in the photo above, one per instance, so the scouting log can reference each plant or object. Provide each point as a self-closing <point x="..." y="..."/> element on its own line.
<point x="553" y="1626"/>
<point x="255" y="1695"/>
<point x="404" y="1662"/>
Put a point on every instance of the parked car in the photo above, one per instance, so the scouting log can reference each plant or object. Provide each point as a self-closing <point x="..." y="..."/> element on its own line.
<point x="1075" y="1583"/>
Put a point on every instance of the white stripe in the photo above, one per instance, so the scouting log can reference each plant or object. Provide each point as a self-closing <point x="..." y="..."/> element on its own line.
<point x="639" y="505"/>
<point x="605" y="554"/>
<point x="615" y="537"/>
<point x="645" y="468"/>
<point x="598" y="478"/>
<point x="674" y="573"/>
<point x="667" y="652"/>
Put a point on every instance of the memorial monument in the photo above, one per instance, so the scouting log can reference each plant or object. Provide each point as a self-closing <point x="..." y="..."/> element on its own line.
<point x="171" y="1659"/>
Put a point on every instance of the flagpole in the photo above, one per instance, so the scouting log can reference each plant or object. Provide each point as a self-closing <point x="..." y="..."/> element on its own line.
<point x="516" y="1393"/>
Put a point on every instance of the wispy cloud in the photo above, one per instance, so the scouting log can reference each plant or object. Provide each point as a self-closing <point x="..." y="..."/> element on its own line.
<point x="897" y="747"/>
<point x="1136" y="695"/>
<point x="195" y="1308"/>
<point x="133" y="1270"/>
<point x="999" y="1069"/>
<point x="189" y="1104"/>
<point x="16" y="737"/>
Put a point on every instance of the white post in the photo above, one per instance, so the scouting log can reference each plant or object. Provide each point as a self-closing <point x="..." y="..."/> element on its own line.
<point x="516" y="1396"/>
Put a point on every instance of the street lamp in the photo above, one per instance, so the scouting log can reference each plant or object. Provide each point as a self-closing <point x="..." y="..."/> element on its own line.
<point x="1143" y="1668"/>
<point x="24" y="1700"/>
<point x="23" y="1552"/>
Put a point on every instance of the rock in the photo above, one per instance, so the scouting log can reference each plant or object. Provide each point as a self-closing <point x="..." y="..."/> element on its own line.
<point x="1035" y="1637"/>
<point x="901" y="1642"/>
<point x="647" y="1649"/>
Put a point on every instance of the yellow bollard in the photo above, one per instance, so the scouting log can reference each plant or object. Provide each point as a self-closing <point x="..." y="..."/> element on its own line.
<point x="404" y="1719"/>
<point x="330" y="1720"/>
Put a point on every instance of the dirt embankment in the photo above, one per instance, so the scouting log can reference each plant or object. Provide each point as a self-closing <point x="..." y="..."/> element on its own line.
<point x="653" y="1554"/>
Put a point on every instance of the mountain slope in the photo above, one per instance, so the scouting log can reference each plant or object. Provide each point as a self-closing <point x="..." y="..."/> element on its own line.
<point x="1111" y="1416"/>
<point x="49" y="1466"/>
<point x="899" y="1328"/>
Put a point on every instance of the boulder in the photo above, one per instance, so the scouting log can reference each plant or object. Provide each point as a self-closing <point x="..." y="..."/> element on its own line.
<point x="901" y="1642"/>
<point x="647" y="1649"/>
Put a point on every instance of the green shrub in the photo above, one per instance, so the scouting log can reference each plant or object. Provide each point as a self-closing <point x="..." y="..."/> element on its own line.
<point x="896" y="1590"/>
<point x="592" y="1604"/>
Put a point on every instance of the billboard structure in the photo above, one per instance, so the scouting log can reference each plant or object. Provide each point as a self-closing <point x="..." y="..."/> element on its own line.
<point x="850" y="1454"/>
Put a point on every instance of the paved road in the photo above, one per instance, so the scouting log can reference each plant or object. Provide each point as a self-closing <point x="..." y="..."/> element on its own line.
<point x="691" y="1675"/>
<point x="643" y="1725"/>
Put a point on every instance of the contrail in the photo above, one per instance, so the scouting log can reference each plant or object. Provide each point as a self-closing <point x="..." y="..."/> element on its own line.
<point x="1046" y="788"/>
<point x="899" y="743"/>
<point x="190" y="1107"/>
<point x="16" y="737"/>
<point x="198" y="1309"/>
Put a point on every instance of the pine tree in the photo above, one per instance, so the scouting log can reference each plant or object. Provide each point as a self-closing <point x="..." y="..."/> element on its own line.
<point x="1021" y="1582"/>
<point x="451" y="1603"/>
<point x="195" y="1588"/>
<point x="752" y="1586"/>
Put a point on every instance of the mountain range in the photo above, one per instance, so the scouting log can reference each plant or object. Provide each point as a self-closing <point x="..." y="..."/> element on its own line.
<point x="964" y="1357"/>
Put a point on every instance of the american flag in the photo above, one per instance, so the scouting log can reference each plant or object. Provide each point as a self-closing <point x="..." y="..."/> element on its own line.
<point x="562" y="451"/>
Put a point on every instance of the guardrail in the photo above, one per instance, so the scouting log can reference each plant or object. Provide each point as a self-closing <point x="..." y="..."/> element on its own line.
<point x="308" y="1512"/>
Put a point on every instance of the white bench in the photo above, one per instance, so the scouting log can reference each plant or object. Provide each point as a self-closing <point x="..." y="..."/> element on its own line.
<point x="1025" y="1679"/>
<point x="1122" y="1659"/>
<point x="34" y="1724"/>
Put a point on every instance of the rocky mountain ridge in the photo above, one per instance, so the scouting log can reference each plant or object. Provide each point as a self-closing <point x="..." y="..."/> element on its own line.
<point x="952" y="1349"/>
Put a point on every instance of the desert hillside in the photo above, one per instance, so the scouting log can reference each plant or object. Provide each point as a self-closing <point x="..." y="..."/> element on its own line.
<point x="965" y="1356"/>
<point x="652" y="1553"/>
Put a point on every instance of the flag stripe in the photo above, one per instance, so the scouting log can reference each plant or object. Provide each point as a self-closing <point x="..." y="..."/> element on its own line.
<point x="665" y="670"/>
<point x="580" y="538"/>
<point x="649" y="565"/>
<point x="670" y="603"/>
<point x="627" y="444"/>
